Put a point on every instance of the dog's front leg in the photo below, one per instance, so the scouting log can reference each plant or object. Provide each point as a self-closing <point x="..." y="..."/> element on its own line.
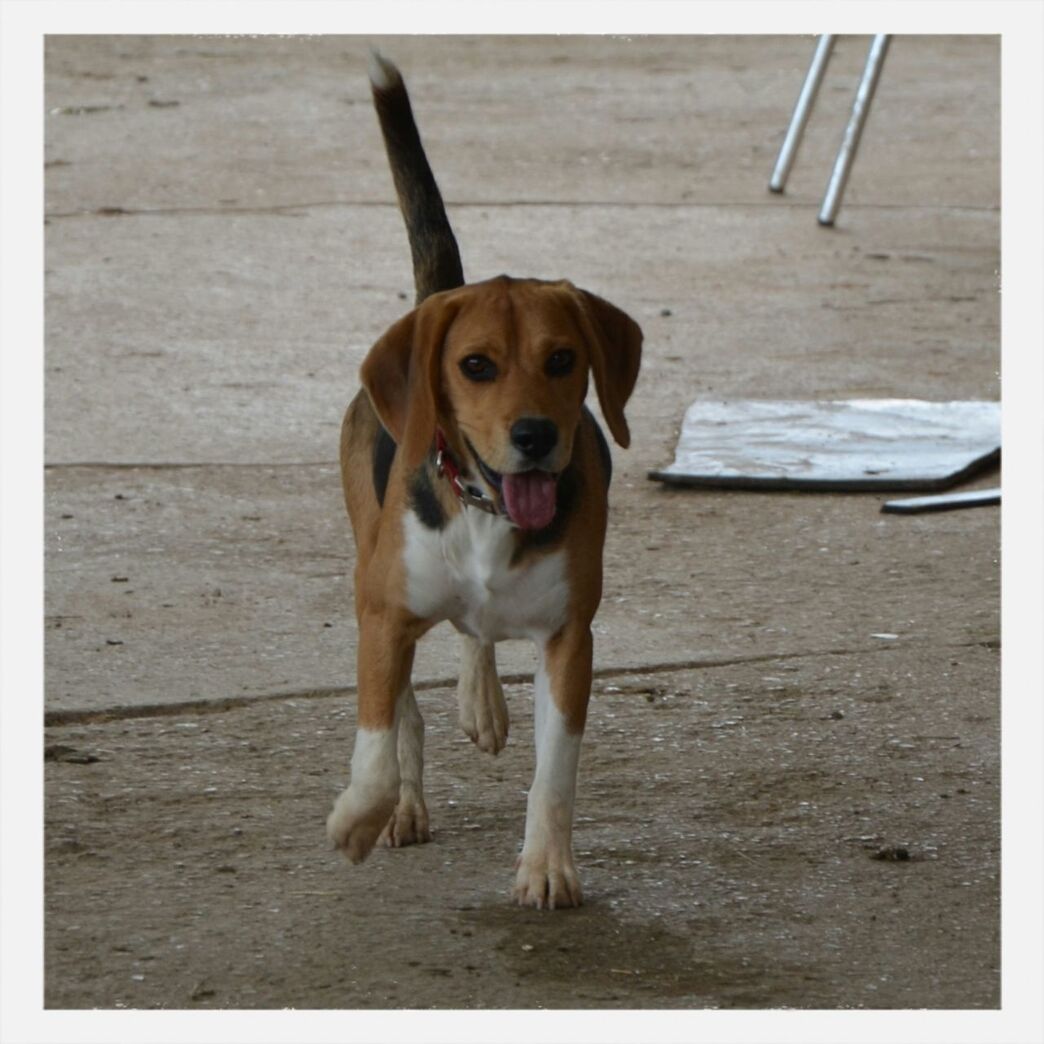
<point x="365" y="807"/>
<point x="546" y="874"/>
<point x="480" y="697"/>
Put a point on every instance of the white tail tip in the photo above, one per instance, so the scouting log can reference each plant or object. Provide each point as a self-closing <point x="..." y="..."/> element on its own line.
<point x="383" y="73"/>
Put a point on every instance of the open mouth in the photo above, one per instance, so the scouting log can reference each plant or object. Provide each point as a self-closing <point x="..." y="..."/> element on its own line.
<point x="530" y="497"/>
<point x="493" y="478"/>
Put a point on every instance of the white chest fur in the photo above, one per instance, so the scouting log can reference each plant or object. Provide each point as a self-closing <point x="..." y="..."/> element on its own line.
<point x="463" y="573"/>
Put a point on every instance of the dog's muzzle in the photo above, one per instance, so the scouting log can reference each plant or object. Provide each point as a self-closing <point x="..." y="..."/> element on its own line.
<point x="529" y="497"/>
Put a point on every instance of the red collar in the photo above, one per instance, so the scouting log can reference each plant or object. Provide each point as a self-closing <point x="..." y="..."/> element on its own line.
<point x="447" y="467"/>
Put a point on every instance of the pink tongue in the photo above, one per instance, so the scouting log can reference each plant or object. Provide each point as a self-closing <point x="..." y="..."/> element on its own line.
<point x="530" y="498"/>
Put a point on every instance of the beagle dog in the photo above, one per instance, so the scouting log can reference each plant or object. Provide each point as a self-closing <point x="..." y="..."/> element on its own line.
<point x="476" y="483"/>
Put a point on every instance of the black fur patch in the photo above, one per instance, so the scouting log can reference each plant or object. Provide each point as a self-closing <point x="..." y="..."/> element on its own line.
<point x="383" y="455"/>
<point x="425" y="504"/>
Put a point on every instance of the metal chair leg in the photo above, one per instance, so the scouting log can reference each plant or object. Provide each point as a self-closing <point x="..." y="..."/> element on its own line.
<point x="806" y="99"/>
<point x="854" y="130"/>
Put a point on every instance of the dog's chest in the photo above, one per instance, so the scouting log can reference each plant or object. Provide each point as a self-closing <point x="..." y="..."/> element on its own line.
<point x="463" y="573"/>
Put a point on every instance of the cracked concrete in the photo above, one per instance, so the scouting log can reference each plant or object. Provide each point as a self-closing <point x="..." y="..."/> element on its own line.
<point x="222" y="247"/>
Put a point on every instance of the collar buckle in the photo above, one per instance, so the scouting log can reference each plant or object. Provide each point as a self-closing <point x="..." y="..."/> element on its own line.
<point x="446" y="467"/>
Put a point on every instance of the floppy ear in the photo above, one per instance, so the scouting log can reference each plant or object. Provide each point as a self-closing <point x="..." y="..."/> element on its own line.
<point x="615" y="342"/>
<point x="401" y="375"/>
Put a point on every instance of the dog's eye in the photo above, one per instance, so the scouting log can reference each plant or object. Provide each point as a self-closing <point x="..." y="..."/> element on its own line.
<point x="560" y="362"/>
<point x="478" y="368"/>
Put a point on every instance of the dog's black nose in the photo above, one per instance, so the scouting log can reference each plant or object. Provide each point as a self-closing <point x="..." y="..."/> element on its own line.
<point x="535" y="437"/>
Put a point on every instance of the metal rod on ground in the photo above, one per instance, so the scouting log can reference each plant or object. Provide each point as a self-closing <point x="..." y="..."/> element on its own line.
<point x="802" y="109"/>
<point x="942" y="502"/>
<point x="854" y="130"/>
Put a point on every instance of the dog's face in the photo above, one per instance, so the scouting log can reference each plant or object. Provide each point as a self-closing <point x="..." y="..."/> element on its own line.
<point x="502" y="367"/>
<point x="514" y="375"/>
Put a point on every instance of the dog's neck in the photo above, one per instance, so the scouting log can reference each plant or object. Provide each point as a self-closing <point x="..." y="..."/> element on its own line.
<point x="469" y="494"/>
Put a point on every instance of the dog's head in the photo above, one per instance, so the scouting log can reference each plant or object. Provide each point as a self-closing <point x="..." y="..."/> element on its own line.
<point x="502" y="368"/>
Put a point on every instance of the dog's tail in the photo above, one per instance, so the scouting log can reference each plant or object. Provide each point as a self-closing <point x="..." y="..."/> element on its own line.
<point x="436" y="259"/>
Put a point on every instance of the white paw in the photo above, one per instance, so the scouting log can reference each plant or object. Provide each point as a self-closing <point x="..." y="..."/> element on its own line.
<point x="358" y="817"/>
<point x="408" y="824"/>
<point x="483" y="711"/>
<point x="546" y="882"/>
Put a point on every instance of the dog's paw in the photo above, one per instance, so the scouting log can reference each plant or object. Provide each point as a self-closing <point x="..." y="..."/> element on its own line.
<point x="480" y="697"/>
<point x="547" y="884"/>
<point x="408" y="824"/>
<point x="484" y="713"/>
<point x="489" y="733"/>
<point x="357" y="820"/>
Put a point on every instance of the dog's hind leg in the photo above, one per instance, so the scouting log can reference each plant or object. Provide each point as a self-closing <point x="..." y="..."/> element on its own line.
<point x="409" y="822"/>
<point x="483" y="712"/>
